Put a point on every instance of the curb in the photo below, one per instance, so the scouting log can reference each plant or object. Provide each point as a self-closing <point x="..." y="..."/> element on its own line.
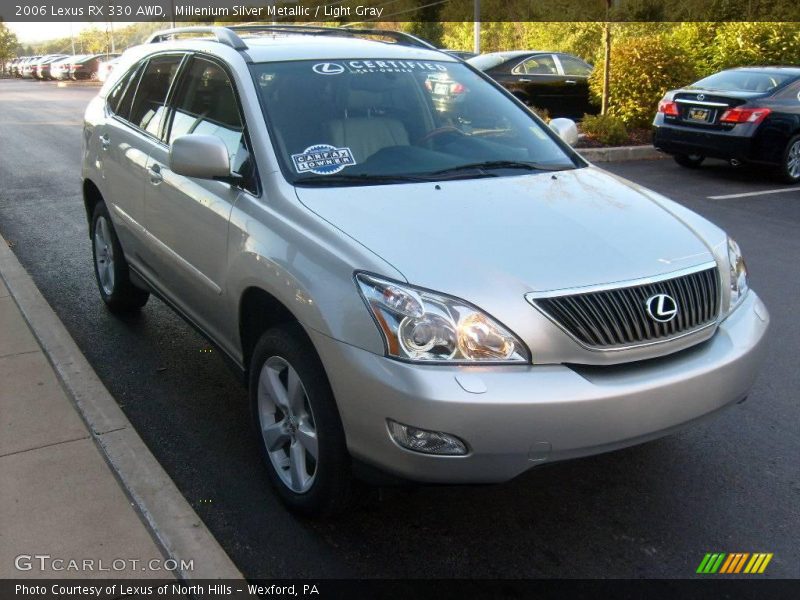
<point x="70" y="84"/>
<point x="173" y="522"/>
<point x="619" y="153"/>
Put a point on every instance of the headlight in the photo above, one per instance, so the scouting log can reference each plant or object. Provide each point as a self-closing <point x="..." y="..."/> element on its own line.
<point x="423" y="326"/>
<point x="738" y="274"/>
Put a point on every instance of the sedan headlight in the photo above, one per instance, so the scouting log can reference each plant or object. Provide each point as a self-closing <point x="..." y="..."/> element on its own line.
<point x="738" y="274"/>
<point x="423" y="326"/>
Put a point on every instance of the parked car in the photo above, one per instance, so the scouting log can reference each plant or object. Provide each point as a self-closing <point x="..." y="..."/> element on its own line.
<point x="60" y="69"/>
<point x="41" y="68"/>
<point x="26" y="69"/>
<point x="10" y="66"/>
<point x="400" y="288"/>
<point x="749" y="114"/>
<point x="87" y="67"/>
<point x="105" y="67"/>
<point x="550" y="80"/>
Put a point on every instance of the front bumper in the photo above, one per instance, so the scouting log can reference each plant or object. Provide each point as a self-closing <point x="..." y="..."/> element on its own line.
<point x="533" y="414"/>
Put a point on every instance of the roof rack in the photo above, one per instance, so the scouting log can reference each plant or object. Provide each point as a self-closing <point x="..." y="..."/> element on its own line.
<point x="229" y="37"/>
<point x="222" y="34"/>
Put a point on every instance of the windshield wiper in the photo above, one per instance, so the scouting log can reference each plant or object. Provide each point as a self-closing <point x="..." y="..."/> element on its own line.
<point x="503" y="164"/>
<point x="362" y="179"/>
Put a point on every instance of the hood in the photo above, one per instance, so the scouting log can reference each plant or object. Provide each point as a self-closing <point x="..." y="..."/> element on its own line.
<point x="537" y="232"/>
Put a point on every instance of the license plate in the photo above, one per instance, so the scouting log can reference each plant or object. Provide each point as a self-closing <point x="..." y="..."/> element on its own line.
<point x="699" y="114"/>
<point x="441" y="89"/>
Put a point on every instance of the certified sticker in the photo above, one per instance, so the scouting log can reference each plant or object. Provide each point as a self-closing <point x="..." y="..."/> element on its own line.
<point x="323" y="159"/>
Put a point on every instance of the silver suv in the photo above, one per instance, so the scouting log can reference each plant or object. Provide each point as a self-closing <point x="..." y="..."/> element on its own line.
<point x="413" y="272"/>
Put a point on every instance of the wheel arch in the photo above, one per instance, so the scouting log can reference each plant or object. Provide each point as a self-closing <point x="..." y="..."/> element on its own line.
<point x="259" y="311"/>
<point x="91" y="197"/>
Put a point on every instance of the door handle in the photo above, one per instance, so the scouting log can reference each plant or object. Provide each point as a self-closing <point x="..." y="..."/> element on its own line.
<point x="571" y="81"/>
<point x="155" y="174"/>
<point x="105" y="142"/>
<point x="524" y="80"/>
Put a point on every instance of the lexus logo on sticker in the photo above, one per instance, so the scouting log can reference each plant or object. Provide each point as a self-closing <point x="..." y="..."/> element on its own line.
<point x="661" y="308"/>
<point x="328" y="69"/>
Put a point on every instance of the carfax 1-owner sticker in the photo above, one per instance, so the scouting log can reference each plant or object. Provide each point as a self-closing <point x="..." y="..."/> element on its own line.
<point x="323" y="159"/>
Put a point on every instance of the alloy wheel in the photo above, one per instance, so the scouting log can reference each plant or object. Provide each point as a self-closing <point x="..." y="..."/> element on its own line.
<point x="287" y="425"/>
<point x="793" y="161"/>
<point x="104" y="255"/>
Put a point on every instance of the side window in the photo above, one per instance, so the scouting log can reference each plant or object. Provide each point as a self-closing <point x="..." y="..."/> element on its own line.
<point x="121" y="97"/>
<point x="206" y="104"/>
<point x="151" y="96"/>
<point x="538" y="65"/>
<point x="574" y="67"/>
<point x="791" y="93"/>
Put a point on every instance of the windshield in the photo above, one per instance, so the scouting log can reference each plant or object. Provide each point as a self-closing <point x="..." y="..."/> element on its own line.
<point x="385" y="121"/>
<point x="742" y="81"/>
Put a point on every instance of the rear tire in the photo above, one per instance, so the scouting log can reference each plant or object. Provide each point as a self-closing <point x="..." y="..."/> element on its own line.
<point x="297" y="424"/>
<point x="790" y="169"/>
<point x="690" y="161"/>
<point x="111" y="268"/>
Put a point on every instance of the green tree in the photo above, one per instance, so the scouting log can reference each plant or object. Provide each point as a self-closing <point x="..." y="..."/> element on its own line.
<point x="8" y="45"/>
<point x="643" y="69"/>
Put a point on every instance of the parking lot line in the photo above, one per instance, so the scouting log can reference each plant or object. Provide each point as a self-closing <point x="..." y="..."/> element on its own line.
<point x="761" y="193"/>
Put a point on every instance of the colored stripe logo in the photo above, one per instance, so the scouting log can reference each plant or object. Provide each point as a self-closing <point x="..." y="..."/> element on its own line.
<point x="734" y="563"/>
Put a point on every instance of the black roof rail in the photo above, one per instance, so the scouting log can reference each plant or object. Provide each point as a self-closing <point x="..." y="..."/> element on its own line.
<point x="222" y="34"/>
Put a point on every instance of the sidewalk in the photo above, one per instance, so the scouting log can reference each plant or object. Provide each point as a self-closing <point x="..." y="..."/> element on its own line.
<point x="76" y="481"/>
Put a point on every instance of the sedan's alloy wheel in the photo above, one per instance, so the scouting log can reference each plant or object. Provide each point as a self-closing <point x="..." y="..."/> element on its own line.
<point x="287" y="424"/>
<point x="104" y="255"/>
<point x="793" y="161"/>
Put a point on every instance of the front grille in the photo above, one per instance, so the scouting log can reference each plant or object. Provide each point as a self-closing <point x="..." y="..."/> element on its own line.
<point x="618" y="317"/>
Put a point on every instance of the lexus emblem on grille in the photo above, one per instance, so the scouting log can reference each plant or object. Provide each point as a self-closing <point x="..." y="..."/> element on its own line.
<point x="661" y="308"/>
<point x="701" y="97"/>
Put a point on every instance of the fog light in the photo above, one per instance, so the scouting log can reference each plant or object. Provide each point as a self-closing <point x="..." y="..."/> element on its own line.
<point x="427" y="442"/>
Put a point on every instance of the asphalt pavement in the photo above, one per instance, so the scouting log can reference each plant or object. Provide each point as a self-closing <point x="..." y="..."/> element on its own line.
<point x="731" y="484"/>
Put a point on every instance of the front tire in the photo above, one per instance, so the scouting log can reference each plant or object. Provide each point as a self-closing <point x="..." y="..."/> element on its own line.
<point x="299" y="429"/>
<point x="790" y="170"/>
<point x="690" y="161"/>
<point x="111" y="268"/>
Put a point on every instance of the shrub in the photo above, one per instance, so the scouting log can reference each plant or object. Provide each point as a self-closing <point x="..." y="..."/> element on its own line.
<point x="606" y="129"/>
<point x="716" y="46"/>
<point x="642" y="69"/>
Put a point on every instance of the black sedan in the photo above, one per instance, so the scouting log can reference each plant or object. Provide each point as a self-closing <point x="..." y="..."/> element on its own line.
<point x="554" y="81"/>
<point x="750" y="114"/>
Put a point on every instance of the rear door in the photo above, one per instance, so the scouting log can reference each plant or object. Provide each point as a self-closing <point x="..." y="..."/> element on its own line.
<point x="576" y="85"/>
<point x="188" y="217"/>
<point x="137" y="108"/>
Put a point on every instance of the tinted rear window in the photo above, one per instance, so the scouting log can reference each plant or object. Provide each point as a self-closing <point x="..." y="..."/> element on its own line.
<point x="486" y="61"/>
<point x="743" y="81"/>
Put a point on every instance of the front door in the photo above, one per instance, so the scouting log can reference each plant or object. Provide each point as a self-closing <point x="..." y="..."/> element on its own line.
<point x="188" y="217"/>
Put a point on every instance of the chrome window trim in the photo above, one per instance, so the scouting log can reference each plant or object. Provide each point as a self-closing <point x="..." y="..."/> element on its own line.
<point x="688" y="101"/>
<point x="530" y="56"/>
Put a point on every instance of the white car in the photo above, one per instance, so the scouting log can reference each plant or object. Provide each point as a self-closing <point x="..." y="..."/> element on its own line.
<point x="446" y="292"/>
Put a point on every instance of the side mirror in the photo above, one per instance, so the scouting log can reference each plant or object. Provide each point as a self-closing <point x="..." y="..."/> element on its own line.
<point x="566" y="130"/>
<point x="201" y="156"/>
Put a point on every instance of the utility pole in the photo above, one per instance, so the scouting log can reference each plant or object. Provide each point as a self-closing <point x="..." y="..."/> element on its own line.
<point x="476" y="28"/>
<point x="607" y="58"/>
<point x="71" y="38"/>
